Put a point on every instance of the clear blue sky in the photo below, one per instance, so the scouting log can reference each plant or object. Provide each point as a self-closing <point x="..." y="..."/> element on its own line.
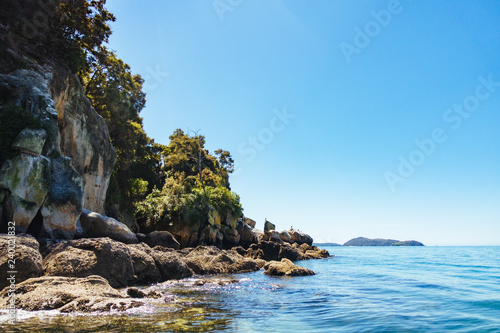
<point x="322" y="103"/>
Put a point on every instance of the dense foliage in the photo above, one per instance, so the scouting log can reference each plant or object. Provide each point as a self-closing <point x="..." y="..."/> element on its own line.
<point x="163" y="185"/>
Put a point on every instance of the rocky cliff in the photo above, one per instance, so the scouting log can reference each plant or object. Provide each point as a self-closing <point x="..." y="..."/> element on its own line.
<point x="57" y="157"/>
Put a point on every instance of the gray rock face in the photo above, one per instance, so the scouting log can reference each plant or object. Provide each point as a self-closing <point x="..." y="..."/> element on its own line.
<point x="62" y="166"/>
<point x="85" y="138"/>
<point x="30" y="141"/>
<point x="97" y="225"/>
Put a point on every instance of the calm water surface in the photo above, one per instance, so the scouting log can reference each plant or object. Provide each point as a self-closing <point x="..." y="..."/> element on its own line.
<point x="361" y="289"/>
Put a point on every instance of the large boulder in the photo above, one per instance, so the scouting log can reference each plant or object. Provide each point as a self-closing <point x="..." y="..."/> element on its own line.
<point x="286" y="268"/>
<point x="300" y="237"/>
<point x="92" y="256"/>
<point x="170" y="264"/>
<point x="145" y="269"/>
<point x="162" y="238"/>
<point x="250" y="222"/>
<point x="247" y="235"/>
<point x="28" y="181"/>
<point x="96" y="225"/>
<point x="54" y="292"/>
<point x="212" y="260"/>
<point x="24" y="249"/>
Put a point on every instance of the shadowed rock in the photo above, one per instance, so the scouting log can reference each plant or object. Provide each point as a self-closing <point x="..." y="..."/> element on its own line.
<point x="162" y="238"/>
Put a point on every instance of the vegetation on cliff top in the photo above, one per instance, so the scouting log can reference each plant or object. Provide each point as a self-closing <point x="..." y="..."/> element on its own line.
<point x="163" y="185"/>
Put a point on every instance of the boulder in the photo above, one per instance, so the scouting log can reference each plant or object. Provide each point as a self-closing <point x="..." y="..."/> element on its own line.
<point x="28" y="260"/>
<point x="247" y="236"/>
<point x="268" y="226"/>
<point x="270" y="236"/>
<point x="286" y="268"/>
<point x="171" y="265"/>
<point x="28" y="179"/>
<point x="162" y="238"/>
<point x="285" y="237"/>
<point x="54" y="292"/>
<point x="140" y="237"/>
<point x="96" y="225"/>
<point x="212" y="260"/>
<point x="145" y="269"/>
<point x="91" y="256"/>
<point x="30" y="141"/>
<point x="209" y="235"/>
<point x="64" y="203"/>
<point x="300" y="237"/>
<point x="250" y="222"/>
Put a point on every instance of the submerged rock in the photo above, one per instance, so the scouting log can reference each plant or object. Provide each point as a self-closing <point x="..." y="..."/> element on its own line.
<point x="53" y="292"/>
<point x="286" y="268"/>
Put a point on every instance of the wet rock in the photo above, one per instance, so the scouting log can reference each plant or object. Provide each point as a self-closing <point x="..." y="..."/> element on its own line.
<point x="162" y="238"/>
<point x="135" y="293"/>
<point x="100" y="304"/>
<point x="286" y="268"/>
<point x="53" y="292"/>
<point x="212" y="260"/>
<point x="97" y="225"/>
<point x="92" y="256"/>
<point x="28" y="260"/>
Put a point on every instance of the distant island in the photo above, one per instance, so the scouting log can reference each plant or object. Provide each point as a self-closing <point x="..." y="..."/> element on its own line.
<point x="362" y="241"/>
<point x="328" y="244"/>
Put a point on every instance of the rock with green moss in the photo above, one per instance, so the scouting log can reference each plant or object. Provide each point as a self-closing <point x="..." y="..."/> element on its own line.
<point x="30" y="141"/>
<point x="28" y="179"/>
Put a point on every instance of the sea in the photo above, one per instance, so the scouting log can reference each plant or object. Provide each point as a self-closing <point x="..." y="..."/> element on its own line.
<point x="360" y="289"/>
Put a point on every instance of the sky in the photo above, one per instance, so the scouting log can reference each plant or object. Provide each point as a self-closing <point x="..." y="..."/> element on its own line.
<point x="345" y="118"/>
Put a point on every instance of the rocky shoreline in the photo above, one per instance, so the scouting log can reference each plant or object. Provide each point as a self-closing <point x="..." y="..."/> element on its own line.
<point x="86" y="274"/>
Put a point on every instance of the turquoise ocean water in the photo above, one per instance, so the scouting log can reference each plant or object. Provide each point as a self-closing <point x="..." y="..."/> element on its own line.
<point x="361" y="289"/>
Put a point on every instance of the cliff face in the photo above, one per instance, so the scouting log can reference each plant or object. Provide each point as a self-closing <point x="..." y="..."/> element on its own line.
<point x="61" y="161"/>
